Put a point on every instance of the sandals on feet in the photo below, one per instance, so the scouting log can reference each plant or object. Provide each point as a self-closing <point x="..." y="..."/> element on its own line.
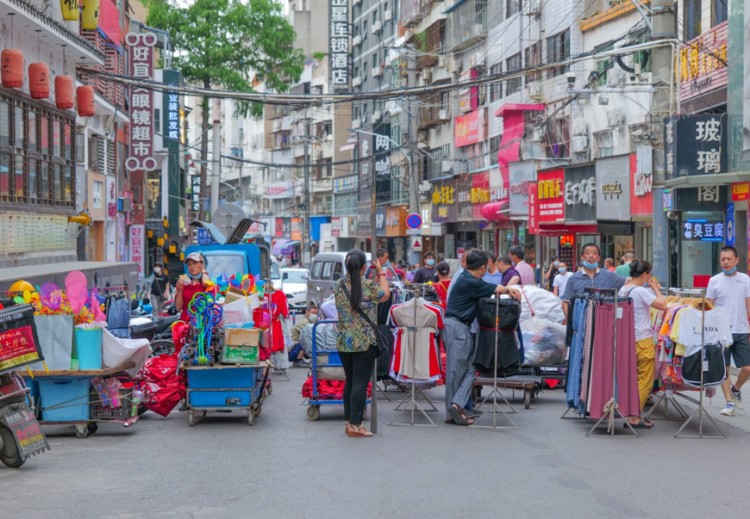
<point x="358" y="431"/>
<point x="641" y="424"/>
<point x="458" y="416"/>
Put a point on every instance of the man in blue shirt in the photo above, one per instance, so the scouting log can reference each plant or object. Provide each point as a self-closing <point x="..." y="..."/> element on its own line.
<point x="463" y="303"/>
<point x="590" y="276"/>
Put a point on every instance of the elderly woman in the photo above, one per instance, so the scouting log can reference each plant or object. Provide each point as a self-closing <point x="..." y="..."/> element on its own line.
<point x="356" y="297"/>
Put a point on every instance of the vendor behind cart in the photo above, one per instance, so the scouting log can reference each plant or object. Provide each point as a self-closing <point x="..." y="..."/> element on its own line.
<point x="195" y="281"/>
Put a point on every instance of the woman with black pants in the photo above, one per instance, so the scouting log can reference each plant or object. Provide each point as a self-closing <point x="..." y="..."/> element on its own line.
<point x="357" y="341"/>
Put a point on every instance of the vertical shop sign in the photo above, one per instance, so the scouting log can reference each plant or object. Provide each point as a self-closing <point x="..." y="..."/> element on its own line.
<point x="729" y="230"/>
<point x="137" y="246"/>
<point x="469" y="128"/>
<point x="111" y="198"/>
<point x="171" y="122"/>
<point x="338" y="44"/>
<point x="444" y="202"/>
<point x="641" y="187"/>
<point x="580" y="194"/>
<point x="534" y="209"/>
<point x="695" y="145"/>
<point x="550" y="199"/>
<point x="295" y="229"/>
<point x="480" y="193"/>
<point x="141" y="103"/>
<point x="740" y="191"/>
<point x="195" y="196"/>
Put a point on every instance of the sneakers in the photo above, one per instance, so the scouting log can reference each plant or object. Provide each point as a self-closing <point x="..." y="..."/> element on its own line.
<point x="728" y="410"/>
<point x="302" y="363"/>
<point x="737" y="395"/>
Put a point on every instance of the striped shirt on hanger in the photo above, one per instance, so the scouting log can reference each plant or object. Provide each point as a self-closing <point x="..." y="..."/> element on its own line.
<point x="602" y="279"/>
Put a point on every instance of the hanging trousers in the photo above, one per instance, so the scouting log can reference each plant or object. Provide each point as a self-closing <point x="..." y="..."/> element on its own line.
<point x="645" y="355"/>
<point x="358" y="368"/>
<point x="459" y="372"/>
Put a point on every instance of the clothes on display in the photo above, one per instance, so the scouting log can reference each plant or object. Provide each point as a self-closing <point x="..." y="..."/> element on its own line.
<point x="502" y="319"/>
<point x="593" y="361"/>
<point x="416" y="343"/>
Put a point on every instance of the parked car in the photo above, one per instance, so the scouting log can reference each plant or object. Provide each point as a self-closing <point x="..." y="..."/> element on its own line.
<point x="294" y="285"/>
<point x="328" y="267"/>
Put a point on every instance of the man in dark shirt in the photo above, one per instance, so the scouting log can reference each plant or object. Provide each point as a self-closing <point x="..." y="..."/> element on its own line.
<point x="160" y="290"/>
<point x="463" y="303"/>
<point x="426" y="273"/>
<point x="590" y="276"/>
<point x="509" y="272"/>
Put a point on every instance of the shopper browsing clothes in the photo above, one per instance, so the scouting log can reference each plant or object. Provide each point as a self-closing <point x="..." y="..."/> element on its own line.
<point x="590" y="276"/>
<point x="730" y="291"/>
<point x="463" y="303"/>
<point x="645" y="293"/>
<point x="356" y="299"/>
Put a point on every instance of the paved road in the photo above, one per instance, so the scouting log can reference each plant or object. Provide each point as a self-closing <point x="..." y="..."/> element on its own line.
<point x="286" y="466"/>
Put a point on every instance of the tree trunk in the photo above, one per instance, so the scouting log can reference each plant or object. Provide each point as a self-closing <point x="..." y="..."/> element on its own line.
<point x="204" y="195"/>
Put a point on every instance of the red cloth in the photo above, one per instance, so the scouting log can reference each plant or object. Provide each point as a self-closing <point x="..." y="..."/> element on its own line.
<point x="328" y="389"/>
<point x="277" y="304"/>
<point x="441" y="287"/>
<point x="161" y="384"/>
<point x="188" y="291"/>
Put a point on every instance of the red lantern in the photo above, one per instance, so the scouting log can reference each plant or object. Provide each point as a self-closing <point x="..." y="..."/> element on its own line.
<point x="39" y="80"/>
<point x="85" y="101"/>
<point x="64" y="92"/>
<point x="12" y="68"/>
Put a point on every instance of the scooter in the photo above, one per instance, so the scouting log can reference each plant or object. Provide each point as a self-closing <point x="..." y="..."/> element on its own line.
<point x="20" y="433"/>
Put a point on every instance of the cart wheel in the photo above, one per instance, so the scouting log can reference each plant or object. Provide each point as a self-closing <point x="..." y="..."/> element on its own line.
<point x="313" y="413"/>
<point x="92" y="427"/>
<point x="10" y="455"/>
<point x="82" y="430"/>
<point x="191" y="418"/>
<point x="527" y="399"/>
<point x="250" y="417"/>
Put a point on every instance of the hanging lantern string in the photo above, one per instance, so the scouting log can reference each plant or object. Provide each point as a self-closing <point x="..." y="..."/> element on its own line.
<point x="11" y="28"/>
<point x="38" y="39"/>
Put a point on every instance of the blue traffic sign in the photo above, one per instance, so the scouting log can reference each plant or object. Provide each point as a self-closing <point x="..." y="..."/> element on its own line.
<point x="414" y="221"/>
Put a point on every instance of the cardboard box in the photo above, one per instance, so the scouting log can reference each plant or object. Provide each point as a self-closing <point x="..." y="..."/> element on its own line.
<point x="241" y="336"/>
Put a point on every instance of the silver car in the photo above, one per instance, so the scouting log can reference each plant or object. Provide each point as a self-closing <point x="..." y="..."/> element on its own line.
<point x="294" y="286"/>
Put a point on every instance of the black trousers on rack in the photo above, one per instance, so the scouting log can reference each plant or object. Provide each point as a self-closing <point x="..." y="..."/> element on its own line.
<point x="358" y="368"/>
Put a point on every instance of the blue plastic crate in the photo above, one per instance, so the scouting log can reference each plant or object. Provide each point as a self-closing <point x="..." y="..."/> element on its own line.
<point x="200" y="398"/>
<point x="64" y="399"/>
<point x="221" y="378"/>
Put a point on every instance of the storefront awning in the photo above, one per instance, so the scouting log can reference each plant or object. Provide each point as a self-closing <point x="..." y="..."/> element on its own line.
<point x="721" y="179"/>
<point x="284" y="247"/>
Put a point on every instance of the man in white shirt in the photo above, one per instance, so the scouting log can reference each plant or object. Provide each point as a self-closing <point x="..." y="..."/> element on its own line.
<point x="561" y="279"/>
<point x="730" y="291"/>
<point x="525" y="270"/>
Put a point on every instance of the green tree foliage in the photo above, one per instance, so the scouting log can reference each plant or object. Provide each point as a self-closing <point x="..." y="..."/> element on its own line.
<point x="227" y="43"/>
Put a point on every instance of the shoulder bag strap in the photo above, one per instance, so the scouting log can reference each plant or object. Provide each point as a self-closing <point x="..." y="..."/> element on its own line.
<point x="361" y="312"/>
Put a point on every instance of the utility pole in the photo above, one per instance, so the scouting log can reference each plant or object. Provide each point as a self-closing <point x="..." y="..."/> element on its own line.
<point x="216" y="166"/>
<point x="662" y="60"/>
<point x="307" y="243"/>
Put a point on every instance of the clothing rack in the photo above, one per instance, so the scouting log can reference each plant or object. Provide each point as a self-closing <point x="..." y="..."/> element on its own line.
<point x="495" y="388"/>
<point x="700" y="410"/>
<point x="611" y="408"/>
<point x="411" y="403"/>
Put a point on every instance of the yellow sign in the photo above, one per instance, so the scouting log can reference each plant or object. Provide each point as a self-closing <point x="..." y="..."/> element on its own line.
<point x="547" y="189"/>
<point x="443" y="195"/>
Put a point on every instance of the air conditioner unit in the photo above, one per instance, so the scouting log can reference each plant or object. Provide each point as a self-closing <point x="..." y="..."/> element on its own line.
<point x="427" y="75"/>
<point x="580" y="144"/>
<point x="446" y="166"/>
<point x="376" y="27"/>
<point x="538" y="134"/>
<point x="443" y="115"/>
<point x="356" y="40"/>
<point x="615" y="77"/>
<point x="355" y="123"/>
<point x="387" y="15"/>
<point x="615" y="118"/>
<point x="356" y="81"/>
<point x="377" y="115"/>
<point x="535" y="91"/>
<point x="377" y="71"/>
<point x="394" y="108"/>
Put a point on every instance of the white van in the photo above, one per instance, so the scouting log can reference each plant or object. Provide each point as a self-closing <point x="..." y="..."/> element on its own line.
<point x="327" y="268"/>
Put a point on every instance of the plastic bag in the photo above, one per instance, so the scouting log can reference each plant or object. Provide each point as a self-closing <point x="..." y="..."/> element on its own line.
<point x="538" y="301"/>
<point x="543" y="342"/>
<point x="55" y="334"/>
<point x="115" y="351"/>
<point x="160" y="383"/>
<point x="240" y="311"/>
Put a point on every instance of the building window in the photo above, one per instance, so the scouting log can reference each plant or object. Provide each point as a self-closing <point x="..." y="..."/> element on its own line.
<point x="533" y="58"/>
<point x="557" y="138"/>
<point x="511" y="64"/>
<point x="494" y="148"/>
<point x="558" y="49"/>
<point x="512" y="7"/>
<point x="691" y="19"/>
<point x="496" y="89"/>
<point x="603" y="141"/>
<point x="719" y="11"/>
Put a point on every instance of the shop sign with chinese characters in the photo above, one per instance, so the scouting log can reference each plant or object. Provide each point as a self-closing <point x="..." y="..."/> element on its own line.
<point x="695" y="145"/>
<point x="141" y="103"/>
<point x="137" y="246"/>
<point x="550" y="196"/>
<point x="443" y="202"/>
<point x="338" y="43"/>
<point x="740" y="191"/>
<point x="703" y="229"/>
<point x="580" y="194"/>
<point x="702" y="63"/>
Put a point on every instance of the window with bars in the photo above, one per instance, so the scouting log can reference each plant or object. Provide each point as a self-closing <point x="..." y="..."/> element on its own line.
<point x="36" y="153"/>
<point x="511" y="64"/>
<point x="558" y="49"/>
<point x="494" y="148"/>
<point x="691" y="19"/>
<point x="399" y="193"/>
<point x="512" y="7"/>
<point x="496" y="89"/>
<point x="557" y="138"/>
<point x="603" y="142"/>
<point x="533" y="58"/>
<point x="719" y="11"/>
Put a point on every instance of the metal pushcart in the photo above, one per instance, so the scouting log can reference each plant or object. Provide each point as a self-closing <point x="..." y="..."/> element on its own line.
<point x="326" y="365"/>
<point x="222" y="388"/>
<point x="65" y="397"/>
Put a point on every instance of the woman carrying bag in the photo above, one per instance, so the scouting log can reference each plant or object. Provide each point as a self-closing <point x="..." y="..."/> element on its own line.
<point x="356" y="300"/>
